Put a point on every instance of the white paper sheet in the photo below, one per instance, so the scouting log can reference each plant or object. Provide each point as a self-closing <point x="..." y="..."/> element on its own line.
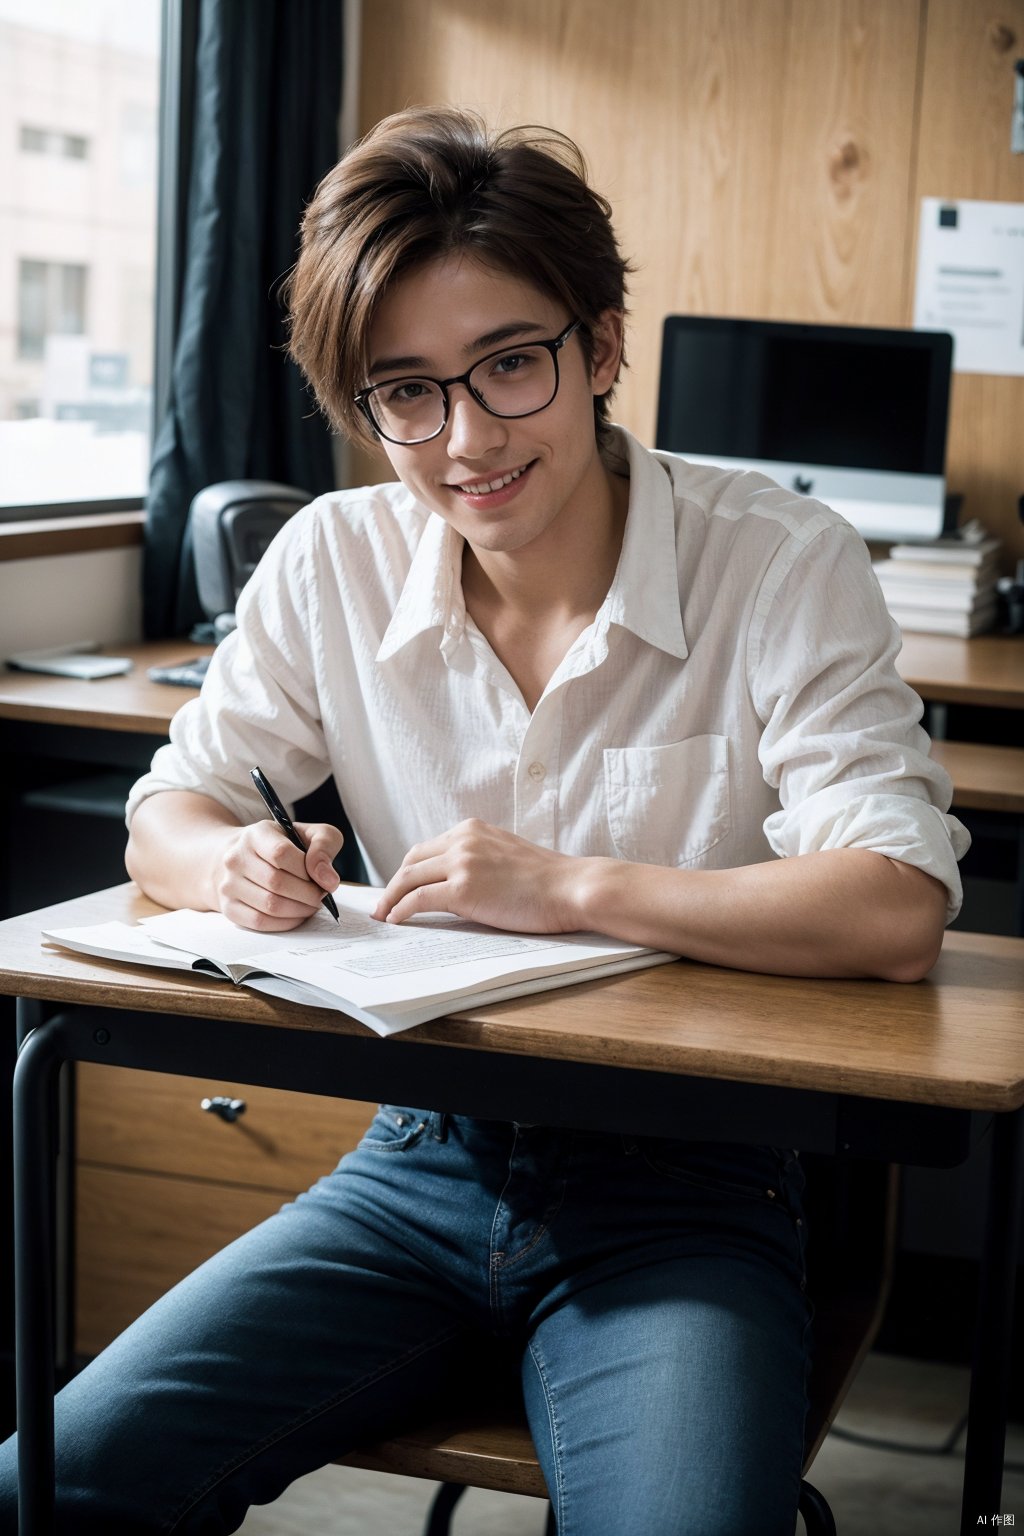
<point x="970" y="281"/>
<point x="388" y="968"/>
<point x="389" y="976"/>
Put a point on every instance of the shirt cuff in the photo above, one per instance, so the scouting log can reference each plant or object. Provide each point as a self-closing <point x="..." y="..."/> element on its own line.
<point x="899" y="826"/>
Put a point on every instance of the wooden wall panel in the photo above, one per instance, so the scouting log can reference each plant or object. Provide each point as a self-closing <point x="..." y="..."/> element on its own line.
<point x="694" y="118"/>
<point x="763" y="157"/>
<point x="964" y="152"/>
<point x="838" y="235"/>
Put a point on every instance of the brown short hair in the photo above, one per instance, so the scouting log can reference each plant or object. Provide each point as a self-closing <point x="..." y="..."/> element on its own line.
<point x="424" y="183"/>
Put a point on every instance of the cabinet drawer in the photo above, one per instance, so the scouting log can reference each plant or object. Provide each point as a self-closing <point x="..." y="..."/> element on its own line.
<point x="139" y="1234"/>
<point x="154" y="1122"/>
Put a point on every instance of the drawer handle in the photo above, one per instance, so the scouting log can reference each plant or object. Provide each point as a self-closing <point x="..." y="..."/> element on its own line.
<point x="224" y="1108"/>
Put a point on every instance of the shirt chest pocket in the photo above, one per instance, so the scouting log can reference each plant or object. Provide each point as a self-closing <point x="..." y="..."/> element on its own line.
<point x="668" y="805"/>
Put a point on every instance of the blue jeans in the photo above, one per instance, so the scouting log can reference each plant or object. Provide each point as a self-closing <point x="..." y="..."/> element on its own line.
<point x="651" y="1293"/>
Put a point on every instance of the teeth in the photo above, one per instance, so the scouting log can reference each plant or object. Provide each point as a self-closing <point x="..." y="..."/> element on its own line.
<point x="492" y="485"/>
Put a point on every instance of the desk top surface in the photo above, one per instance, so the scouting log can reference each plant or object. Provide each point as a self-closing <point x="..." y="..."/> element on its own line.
<point x="127" y="703"/>
<point x="955" y="1039"/>
<point x="988" y="669"/>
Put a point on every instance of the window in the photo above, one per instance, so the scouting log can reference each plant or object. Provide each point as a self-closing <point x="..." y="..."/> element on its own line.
<point x="51" y="302"/>
<point x="50" y="141"/>
<point x="79" y="98"/>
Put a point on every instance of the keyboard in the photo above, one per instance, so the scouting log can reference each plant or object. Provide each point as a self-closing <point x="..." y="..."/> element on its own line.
<point x="184" y="674"/>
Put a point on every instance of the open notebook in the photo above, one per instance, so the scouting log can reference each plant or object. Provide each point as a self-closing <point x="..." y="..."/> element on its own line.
<point x="388" y="976"/>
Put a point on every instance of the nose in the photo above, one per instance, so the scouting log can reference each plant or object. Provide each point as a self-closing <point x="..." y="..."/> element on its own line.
<point x="472" y="432"/>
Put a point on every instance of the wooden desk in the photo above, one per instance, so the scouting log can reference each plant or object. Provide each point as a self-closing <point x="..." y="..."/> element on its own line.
<point x="911" y="1073"/>
<point x="985" y="778"/>
<point x="128" y="703"/>
<point x="987" y="670"/>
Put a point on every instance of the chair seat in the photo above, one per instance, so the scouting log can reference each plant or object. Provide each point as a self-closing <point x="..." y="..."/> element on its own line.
<point x="486" y="1442"/>
<point x="479" y="1448"/>
<point x="492" y="1447"/>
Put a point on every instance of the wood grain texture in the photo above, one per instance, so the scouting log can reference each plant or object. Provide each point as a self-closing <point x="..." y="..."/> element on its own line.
<point x="762" y="158"/>
<point x="127" y="703"/>
<point x="953" y="1039"/>
<point x="153" y="1121"/>
<point x="986" y="670"/>
<point x="481" y="1449"/>
<point x="755" y="155"/>
<point x="848" y="85"/>
<point x="985" y="778"/>
<point x="964" y="152"/>
<point x="138" y="1234"/>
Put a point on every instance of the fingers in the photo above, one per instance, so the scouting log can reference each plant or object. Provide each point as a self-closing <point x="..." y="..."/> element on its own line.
<point x="486" y="875"/>
<point x="263" y="881"/>
<point x="446" y="870"/>
<point x="417" y="887"/>
<point x="323" y="844"/>
<point x="425" y="898"/>
<point x="245" y="915"/>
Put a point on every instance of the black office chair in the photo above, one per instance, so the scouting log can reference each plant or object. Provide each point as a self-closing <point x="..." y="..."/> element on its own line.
<point x="231" y="524"/>
<point x="851" y="1219"/>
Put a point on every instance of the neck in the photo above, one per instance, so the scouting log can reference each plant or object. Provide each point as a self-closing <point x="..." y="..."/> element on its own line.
<point x="561" y="576"/>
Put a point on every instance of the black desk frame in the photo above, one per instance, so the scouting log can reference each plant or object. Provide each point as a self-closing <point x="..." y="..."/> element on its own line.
<point x="491" y="1085"/>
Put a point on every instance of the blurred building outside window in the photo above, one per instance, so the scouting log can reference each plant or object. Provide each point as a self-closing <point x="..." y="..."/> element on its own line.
<point x="79" y="87"/>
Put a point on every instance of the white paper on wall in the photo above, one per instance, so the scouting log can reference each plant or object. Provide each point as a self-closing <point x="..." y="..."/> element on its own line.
<point x="970" y="281"/>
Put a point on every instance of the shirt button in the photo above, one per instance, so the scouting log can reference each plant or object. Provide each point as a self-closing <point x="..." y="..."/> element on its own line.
<point x="536" y="772"/>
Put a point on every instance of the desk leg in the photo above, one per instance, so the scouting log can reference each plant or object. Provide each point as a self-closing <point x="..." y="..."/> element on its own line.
<point x="993" y="1333"/>
<point x="35" y="1092"/>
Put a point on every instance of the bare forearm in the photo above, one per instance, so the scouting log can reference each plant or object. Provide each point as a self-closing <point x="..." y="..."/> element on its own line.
<point x="846" y="912"/>
<point x="176" y="839"/>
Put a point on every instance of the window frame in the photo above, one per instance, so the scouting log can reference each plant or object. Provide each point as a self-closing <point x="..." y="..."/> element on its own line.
<point x="179" y="22"/>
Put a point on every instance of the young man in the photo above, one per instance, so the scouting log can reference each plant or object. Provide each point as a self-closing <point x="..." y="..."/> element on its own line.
<point x="561" y="683"/>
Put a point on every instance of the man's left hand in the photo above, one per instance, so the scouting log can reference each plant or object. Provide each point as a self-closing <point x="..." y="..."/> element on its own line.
<point x="486" y="875"/>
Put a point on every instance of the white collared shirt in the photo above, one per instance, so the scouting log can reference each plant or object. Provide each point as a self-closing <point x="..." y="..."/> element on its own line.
<point x="734" y="699"/>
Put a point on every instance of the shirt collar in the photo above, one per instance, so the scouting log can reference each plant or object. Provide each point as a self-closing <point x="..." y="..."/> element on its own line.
<point x="432" y="595"/>
<point x="644" y="594"/>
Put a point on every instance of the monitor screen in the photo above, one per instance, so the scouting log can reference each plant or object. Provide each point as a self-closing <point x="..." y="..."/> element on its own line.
<point x="799" y="401"/>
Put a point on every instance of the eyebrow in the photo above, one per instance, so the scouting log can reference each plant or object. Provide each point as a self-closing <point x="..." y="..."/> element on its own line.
<point x="488" y="340"/>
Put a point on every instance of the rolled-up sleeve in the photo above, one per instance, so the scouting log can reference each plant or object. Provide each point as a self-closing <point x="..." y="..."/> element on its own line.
<point x="842" y="742"/>
<point x="258" y="703"/>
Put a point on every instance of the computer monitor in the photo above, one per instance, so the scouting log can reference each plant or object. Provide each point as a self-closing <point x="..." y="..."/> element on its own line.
<point x="853" y="415"/>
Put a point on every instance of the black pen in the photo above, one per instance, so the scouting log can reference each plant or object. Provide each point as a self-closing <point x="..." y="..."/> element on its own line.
<point x="268" y="794"/>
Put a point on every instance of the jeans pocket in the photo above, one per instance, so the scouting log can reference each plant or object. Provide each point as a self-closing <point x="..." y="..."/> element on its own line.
<point x="394" y="1128"/>
<point x="727" y="1170"/>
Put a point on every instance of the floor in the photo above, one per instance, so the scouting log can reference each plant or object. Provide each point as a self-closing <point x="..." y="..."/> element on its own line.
<point x="873" y="1492"/>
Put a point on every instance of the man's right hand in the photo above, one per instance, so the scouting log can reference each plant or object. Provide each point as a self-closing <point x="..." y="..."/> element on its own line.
<point x="262" y="881"/>
<point x="187" y="850"/>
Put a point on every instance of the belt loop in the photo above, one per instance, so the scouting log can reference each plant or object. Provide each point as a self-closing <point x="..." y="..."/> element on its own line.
<point x="439" y="1129"/>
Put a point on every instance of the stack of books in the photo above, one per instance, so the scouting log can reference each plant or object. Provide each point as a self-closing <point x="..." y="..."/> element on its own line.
<point x="946" y="587"/>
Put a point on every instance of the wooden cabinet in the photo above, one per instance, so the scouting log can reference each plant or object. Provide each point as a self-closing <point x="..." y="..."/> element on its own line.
<point x="163" y="1184"/>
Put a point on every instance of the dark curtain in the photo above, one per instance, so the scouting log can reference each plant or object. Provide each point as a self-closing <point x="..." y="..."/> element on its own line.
<point x="264" y="132"/>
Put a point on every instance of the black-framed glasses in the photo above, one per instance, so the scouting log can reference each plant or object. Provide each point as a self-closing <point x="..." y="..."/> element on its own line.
<point x="514" y="381"/>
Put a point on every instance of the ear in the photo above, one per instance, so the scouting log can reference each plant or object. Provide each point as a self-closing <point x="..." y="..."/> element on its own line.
<point x="607" y="351"/>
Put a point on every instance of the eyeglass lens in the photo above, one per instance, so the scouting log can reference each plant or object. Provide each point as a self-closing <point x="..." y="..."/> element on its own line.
<point x="512" y="383"/>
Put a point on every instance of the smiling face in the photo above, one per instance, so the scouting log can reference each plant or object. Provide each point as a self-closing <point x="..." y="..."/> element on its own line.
<point x="503" y="483"/>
